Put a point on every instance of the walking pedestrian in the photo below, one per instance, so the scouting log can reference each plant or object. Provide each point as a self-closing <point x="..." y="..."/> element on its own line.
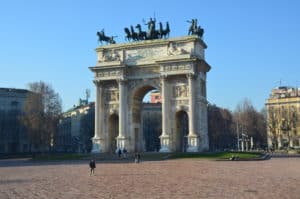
<point x="92" y="166"/>
<point x="119" y="153"/>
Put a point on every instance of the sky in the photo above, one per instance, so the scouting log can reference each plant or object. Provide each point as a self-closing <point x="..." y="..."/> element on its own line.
<point x="253" y="45"/>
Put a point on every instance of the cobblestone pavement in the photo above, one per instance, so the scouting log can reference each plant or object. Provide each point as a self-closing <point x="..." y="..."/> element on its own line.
<point x="275" y="178"/>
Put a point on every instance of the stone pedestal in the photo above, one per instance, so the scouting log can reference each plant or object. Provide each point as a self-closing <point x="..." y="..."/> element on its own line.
<point x="164" y="144"/>
<point x="193" y="143"/>
<point x="97" y="145"/>
<point x="122" y="142"/>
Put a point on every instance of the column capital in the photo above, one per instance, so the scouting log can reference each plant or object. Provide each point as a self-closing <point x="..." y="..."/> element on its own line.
<point x="191" y="75"/>
<point x="98" y="82"/>
<point x="122" y="81"/>
<point x="163" y="77"/>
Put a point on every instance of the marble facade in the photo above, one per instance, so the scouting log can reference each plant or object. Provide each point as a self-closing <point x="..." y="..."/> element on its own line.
<point x="124" y="73"/>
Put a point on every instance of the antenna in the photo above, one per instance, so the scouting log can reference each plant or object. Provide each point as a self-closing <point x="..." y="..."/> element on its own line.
<point x="87" y="94"/>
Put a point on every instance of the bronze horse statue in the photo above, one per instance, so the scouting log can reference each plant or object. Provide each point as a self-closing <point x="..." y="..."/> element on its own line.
<point x="142" y="35"/>
<point x="195" y="29"/>
<point x="164" y="33"/>
<point x="134" y="35"/>
<point x="102" y="37"/>
<point x="128" y="34"/>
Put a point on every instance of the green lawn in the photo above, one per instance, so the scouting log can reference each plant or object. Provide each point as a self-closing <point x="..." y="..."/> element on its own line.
<point x="218" y="155"/>
<point x="147" y="156"/>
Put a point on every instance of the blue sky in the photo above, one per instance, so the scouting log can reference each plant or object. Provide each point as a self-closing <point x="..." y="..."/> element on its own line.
<point x="252" y="44"/>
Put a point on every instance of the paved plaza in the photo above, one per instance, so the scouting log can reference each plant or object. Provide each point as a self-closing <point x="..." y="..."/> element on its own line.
<point x="275" y="178"/>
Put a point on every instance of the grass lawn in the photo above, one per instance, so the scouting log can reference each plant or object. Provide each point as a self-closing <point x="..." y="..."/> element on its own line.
<point x="217" y="155"/>
<point x="147" y="156"/>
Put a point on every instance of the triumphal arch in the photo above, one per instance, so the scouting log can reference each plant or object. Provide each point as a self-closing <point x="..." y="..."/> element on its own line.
<point x="125" y="72"/>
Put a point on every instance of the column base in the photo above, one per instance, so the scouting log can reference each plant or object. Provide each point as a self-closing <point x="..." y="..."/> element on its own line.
<point x="97" y="146"/>
<point x="164" y="144"/>
<point x="122" y="143"/>
<point x="193" y="143"/>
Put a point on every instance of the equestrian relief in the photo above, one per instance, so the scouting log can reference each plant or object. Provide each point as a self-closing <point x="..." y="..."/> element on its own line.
<point x="135" y="33"/>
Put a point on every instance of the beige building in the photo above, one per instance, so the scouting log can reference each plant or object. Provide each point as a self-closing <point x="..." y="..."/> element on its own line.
<point x="283" y="112"/>
<point x="76" y="128"/>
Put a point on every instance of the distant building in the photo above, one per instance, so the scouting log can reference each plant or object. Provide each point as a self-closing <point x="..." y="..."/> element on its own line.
<point x="283" y="118"/>
<point x="13" y="135"/>
<point x="151" y="122"/>
<point x="155" y="97"/>
<point x="76" y="128"/>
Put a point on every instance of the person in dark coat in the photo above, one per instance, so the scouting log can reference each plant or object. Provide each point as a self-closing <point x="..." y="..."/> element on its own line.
<point x="92" y="166"/>
<point x="119" y="153"/>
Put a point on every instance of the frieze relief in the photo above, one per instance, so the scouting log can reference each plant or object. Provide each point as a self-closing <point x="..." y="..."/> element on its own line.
<point x="112" y="95"/>
<point x="109" y="73"/>
<point x="173" y="49"/>
<point x="180" y="91"/>
<point x="177" y="67"/>
<point x="146" y="53"/>
<point x="109" y="56"/>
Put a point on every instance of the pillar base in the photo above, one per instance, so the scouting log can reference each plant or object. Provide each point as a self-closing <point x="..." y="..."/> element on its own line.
<point x="193" y="143"/>
<point x="97" y="146"/>
<point x="122" y="143"/>
<point x="164" y="144"/>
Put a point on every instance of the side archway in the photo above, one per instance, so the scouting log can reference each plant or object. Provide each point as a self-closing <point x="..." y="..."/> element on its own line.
<point x="181" y="131"/>
<point x="113" y="131"/>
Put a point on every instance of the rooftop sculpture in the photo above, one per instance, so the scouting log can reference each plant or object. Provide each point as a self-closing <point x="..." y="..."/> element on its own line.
<point x="135" y="33"/>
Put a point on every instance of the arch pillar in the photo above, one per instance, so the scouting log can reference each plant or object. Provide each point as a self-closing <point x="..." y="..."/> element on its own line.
<point x="165" y="136"/>
<point x="98" y="139"/>
<point x="193" y="138"/>
<point x="122" y="141"/>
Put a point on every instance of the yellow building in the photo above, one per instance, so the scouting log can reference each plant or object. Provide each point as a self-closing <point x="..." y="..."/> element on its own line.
<point x="283" y="114"/>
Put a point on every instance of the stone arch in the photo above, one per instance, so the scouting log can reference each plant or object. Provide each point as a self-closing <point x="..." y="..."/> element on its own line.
<point x="122" y="83"/>
<point x="181" y="131"/>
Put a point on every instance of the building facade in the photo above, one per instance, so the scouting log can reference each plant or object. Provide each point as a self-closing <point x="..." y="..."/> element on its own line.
<point x="124" y="73"/>
<point x="155" y="97"/>
<point x="13" y="135"/>
<point x="76" y="129"/>
<point x="283" y="118"/>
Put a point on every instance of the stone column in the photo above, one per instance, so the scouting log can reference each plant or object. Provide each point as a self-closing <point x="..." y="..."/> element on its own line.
<point x="122" y="114"/>
<point x="98" y="139"/>
<point x="193" y="138"/>
<point x="165" y="137"/>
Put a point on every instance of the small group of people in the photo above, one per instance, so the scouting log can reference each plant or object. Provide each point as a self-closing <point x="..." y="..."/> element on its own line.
<point x="120" y="152"/>
<point x="137" y="159"/>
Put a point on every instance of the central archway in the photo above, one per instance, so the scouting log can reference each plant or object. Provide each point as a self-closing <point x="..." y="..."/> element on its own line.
<point x="146" y="118"/>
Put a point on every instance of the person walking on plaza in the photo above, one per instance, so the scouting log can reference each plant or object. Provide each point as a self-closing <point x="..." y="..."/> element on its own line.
<point x="124" y="153"/>
<point x="137" y="158"/>
<point x="119" y="152"/>
<point x="92" y="166"/>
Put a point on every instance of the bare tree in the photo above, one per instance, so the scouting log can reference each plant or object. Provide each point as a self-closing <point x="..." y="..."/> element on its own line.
<point x="252" y="122"/>
<point x="42" y="110"/>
